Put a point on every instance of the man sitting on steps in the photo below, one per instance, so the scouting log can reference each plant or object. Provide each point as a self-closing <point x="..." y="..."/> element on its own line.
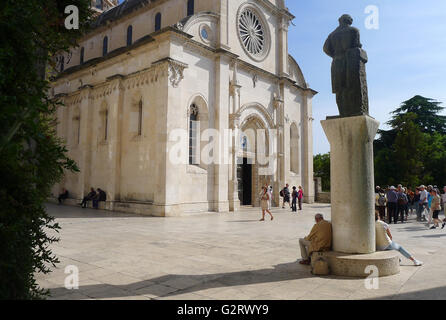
<point x="319" y="239"/>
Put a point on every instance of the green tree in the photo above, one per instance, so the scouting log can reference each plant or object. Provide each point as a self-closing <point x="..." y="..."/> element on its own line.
<point x="409" y="150"/>
<point x="321" y="163"/>
<point x="32" y="158"/>
<point x="412" y="151"/>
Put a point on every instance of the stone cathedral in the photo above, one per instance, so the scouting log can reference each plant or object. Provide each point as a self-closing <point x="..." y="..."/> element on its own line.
<point x="151" y="68"/>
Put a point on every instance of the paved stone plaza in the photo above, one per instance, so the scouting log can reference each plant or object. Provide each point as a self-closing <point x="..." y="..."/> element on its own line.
<point x="222" y="256"/>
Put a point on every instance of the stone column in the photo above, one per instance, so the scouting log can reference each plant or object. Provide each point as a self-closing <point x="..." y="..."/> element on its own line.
<point x="307" y="149"/>
<point x="352" y="183"/>
<point x="221" y="152"/>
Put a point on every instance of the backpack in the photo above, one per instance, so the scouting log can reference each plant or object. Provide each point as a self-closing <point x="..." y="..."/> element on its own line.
<point x="282" y="193"/>
<point x="382" y="200"/>
<point x="402" y="199"/>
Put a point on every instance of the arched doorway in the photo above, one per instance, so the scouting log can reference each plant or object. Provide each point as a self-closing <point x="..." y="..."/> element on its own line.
<point x="252" y="157"/>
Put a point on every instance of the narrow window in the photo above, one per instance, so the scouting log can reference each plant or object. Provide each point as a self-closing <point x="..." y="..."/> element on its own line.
<point x="106" y="125"/>
<point x="190" y="7"/>
<point x="193" y="134"/>
<point x="129" y="36"/>
<point x="105" y="47"/>
<point x="140" y="118"/>
<point x="82" y="55"/>
<point x="78" y="130"/>
<point x="158" y="21"/>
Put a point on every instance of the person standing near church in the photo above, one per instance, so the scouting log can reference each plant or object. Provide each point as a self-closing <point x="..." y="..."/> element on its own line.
<point x="392" y="202"/>
<point x="294" y="200"/>
<point x="300" y="196"/>
<point x="285" y="193"/>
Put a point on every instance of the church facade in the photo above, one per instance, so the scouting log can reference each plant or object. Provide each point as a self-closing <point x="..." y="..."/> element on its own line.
<point x="177" y="106"/>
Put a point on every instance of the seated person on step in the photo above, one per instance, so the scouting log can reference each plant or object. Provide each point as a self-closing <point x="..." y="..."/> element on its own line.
<point x="319" y="239"/>
<point x="100" y="196"/>
<point x="384" y="241"/>
<point x="63" y="196"/>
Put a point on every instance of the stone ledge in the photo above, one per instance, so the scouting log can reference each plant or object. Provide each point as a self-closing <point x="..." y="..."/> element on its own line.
<point x="354" y="265"/>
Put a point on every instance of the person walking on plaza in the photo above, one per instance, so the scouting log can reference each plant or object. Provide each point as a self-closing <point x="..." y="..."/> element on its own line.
<point x="90" y="196"/>
<point x="384" y="241"/>
<point x="285" y="193"/>
<point x="392" y="199"/>
<point x="300" y="196"/>
<point x="264" y="203"/>
<point x="435" y="208"/>
<point x="319" y="239"/>
<point x="380" y="202"/>
<point x="294" y="200"/>
<point x="423" y="204"/>
<point x="443" y="200"/>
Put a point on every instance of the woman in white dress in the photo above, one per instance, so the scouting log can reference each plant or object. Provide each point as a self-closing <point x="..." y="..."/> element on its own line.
<point x="264" y="203"/>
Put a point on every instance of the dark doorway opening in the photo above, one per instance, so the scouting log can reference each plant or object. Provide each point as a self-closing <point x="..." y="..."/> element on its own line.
<point x="244" y="177"/>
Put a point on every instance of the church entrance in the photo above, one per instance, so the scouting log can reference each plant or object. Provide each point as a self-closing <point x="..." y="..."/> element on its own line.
<point x="244" y="178"/>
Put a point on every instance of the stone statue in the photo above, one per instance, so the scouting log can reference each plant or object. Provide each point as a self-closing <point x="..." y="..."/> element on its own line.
<point x="348" y="73"/>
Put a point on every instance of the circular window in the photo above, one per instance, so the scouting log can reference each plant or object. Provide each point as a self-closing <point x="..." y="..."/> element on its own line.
<point x="253" y="34"/>
<point x="204" y="33"/>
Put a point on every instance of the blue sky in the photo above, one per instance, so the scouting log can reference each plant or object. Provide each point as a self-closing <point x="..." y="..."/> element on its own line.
<point x="407" y="54"/>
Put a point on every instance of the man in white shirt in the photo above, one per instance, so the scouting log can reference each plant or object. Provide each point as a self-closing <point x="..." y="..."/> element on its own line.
<point x="384" y="240"/>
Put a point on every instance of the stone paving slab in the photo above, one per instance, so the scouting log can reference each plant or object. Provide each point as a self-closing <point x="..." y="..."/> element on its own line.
<point x="222" y="256"/>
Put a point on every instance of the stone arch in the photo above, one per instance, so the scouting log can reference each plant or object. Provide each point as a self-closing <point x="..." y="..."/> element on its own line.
<point x="104" y="122"/>
<point x="138" y="109"/>
<point x="255" y="109"/>
<point x="76" y="126"/>
<point x="197" y="123"/>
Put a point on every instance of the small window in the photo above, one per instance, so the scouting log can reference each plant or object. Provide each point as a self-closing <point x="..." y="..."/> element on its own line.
<point x="82" y="56"/>
<point x="105" y="47"/>
<point x="190" y="7"/>
<point x="129" y="36"/>
<point x="158" y="21"/>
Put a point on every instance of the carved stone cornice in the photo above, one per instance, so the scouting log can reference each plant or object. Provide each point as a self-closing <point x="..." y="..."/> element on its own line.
<point x="175" y="70"/>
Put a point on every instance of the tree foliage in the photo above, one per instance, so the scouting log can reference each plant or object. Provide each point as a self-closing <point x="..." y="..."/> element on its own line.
<point x="32" y="158"/>
<point x="321" y="163"/>
<point x="412" y="152"/>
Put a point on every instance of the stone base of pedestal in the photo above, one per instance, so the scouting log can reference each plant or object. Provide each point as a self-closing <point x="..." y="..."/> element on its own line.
<point x="355" y="265"/>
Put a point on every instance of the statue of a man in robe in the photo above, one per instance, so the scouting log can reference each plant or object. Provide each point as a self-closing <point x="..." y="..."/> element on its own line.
<point x="348" y="73"/>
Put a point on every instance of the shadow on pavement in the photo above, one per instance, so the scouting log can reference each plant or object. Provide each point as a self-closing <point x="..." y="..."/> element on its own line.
<point x="429" y="294"/>
<point x="281" y="272"/>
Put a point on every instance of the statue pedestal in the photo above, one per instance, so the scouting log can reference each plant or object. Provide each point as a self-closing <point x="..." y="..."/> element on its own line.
<point x="353" y="199"/>
<point x="352" y="183"/>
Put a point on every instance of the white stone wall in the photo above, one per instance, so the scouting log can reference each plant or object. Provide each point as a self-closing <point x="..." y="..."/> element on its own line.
<point x="229" y="88"/>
